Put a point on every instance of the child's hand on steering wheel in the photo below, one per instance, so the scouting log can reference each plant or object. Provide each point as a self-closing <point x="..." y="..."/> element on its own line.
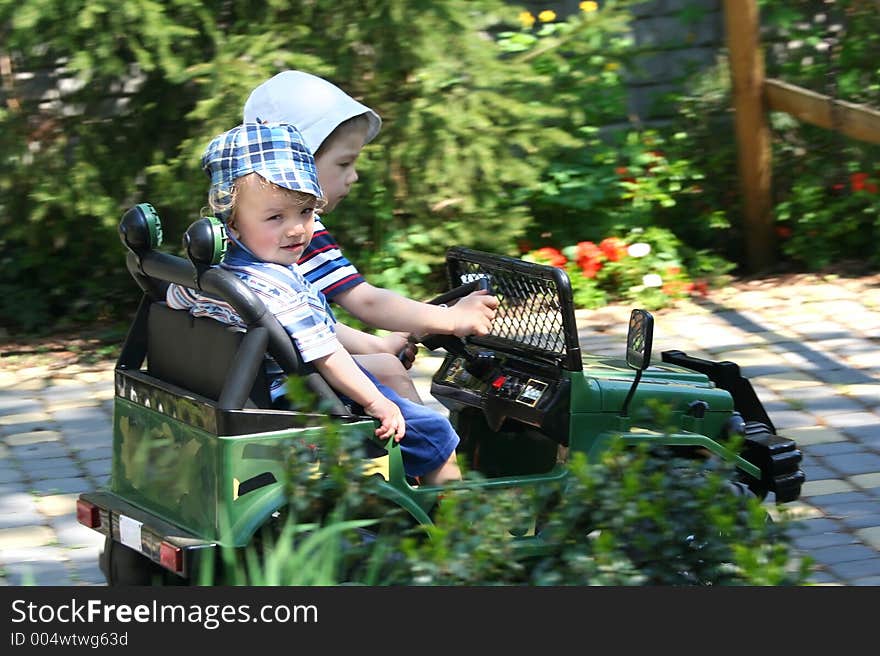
<point x="473" y="314"/>
<point x="403" y="346"/>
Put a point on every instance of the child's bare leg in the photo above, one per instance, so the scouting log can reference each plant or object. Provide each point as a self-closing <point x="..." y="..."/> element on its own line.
<point x="447" y="472"/>
<point x="391" y="373"/>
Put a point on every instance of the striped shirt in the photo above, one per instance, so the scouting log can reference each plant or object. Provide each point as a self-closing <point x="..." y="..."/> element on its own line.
<point x="324" y="265"/>
<point x="298" y="305"/>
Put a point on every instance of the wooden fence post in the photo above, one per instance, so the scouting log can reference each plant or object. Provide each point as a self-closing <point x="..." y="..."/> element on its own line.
<point x="742" y="27"/>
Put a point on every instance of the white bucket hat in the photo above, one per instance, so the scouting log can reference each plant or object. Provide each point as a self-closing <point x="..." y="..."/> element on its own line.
<point x="312" y="104"/>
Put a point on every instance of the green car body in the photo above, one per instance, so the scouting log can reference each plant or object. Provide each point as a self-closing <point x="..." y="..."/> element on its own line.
<point x="193" y="471"/>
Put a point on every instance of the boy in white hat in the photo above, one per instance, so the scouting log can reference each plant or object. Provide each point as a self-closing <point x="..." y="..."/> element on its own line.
<point x="264" y="186"/>
<point x="336" y="127"/>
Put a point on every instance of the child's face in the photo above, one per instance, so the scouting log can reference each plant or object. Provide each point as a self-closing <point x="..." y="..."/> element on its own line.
<point x="336" y="172"/>
<point x="275" y="224"/>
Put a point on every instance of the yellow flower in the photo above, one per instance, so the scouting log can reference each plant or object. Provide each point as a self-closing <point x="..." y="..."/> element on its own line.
<point x="612" y="66"/>
<point x="546" y="16"/>
<point x="587" y="6"/>
<point x="526" y="18"/>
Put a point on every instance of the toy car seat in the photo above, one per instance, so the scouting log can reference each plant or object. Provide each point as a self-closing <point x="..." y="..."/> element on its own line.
<point x="198" y="354"/>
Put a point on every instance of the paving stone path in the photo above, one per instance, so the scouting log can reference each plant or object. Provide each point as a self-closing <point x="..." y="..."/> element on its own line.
<point x="810" y="345"/>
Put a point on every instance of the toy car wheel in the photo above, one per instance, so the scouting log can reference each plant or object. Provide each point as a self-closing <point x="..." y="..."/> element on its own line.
<point x="123" y="565"/>
<point x="740" y="489"/>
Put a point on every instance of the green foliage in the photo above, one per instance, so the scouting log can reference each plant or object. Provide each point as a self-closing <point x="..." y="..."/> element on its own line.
<point x="824" y="214"/>
<point x="144" y="89"/>
<point x="490" y="134"/>
<point x="825" y="184"/>
<point x="295" y="554"/>
<point x="819" y="226"/>
<point x="825" y="46"/>
<point x="73" y="160"/>
<point x="656" y="519"/>
<point x="614" y="179"/>
<point x="471" y="542"/>
<point x="582" y="57"/>
<point x="336" y="527"/>
<point x="636" y="517"/>
<point x="613" y="185"/>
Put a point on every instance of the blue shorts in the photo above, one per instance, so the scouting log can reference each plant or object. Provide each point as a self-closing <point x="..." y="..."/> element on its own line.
<point x="429" y="438"/>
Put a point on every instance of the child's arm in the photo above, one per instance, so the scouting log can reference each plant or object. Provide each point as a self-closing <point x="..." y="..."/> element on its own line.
<point x="343" y="375"/>
<point x="358" y="342"/>
<point x="383" y="308"/>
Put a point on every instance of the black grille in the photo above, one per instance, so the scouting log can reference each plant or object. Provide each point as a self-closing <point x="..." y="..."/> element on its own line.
<point x="535" y="315"/>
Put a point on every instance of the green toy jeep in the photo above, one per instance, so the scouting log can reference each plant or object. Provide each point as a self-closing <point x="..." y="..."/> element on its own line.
<point x="199" y="455"/>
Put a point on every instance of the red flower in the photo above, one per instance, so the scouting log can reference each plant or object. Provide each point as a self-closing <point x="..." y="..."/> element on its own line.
<point x="783" y="232"/>
<point x="679" y="288"/>
<point x="622" y="171"/>
<point x="524" y="245"/>
<point x="589" y="258"/>
<point x="859" y="182"/>
<point x="590" y="267"/>
<point x="587" y="250"/>
<point x="552" y="256"/>
<point x="613" y="248"/>
<point x="700" y="288"/>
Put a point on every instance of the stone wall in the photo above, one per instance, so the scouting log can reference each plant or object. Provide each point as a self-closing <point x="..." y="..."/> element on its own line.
<point x="673" y="38"/>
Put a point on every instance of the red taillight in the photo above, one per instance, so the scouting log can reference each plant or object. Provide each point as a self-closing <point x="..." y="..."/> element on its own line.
<point x="88" y="514"/>
<point x="171" y="557"/>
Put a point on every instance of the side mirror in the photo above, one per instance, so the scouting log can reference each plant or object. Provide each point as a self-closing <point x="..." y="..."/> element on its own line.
<point x="639" y="339"/>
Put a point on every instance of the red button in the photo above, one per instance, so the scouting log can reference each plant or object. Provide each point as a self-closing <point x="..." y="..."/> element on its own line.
<point x="498" y="382"/>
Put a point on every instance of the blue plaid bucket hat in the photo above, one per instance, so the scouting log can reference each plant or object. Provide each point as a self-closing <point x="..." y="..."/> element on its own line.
<point x="274" y="151"/>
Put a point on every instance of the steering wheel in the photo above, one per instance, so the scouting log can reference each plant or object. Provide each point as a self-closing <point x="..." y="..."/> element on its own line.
<point x="451" y="343"/>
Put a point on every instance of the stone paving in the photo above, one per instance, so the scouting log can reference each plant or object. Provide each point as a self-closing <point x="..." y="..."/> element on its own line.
<point x="808" y="344"/>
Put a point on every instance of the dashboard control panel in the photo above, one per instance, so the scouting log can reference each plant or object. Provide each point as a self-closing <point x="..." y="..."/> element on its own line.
<point x="502" y="386"/>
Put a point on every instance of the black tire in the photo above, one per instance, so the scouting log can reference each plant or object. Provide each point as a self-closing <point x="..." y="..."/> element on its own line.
<point x="740" y="489"/>
<point x="124" y="566"/>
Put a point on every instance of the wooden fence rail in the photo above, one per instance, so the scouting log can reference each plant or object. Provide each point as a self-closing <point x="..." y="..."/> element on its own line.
<point x="855" y="121"/>
<point x="753" y="97"/>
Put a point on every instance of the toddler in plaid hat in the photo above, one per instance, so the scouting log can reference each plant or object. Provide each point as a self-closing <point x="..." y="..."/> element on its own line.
<point x="264" y="186"/>
<point x="336" y="127"/>
<point x="276" y="153"/>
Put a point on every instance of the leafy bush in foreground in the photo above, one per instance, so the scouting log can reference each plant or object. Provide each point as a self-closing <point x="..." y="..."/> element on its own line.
<point x="635" y="518"/>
